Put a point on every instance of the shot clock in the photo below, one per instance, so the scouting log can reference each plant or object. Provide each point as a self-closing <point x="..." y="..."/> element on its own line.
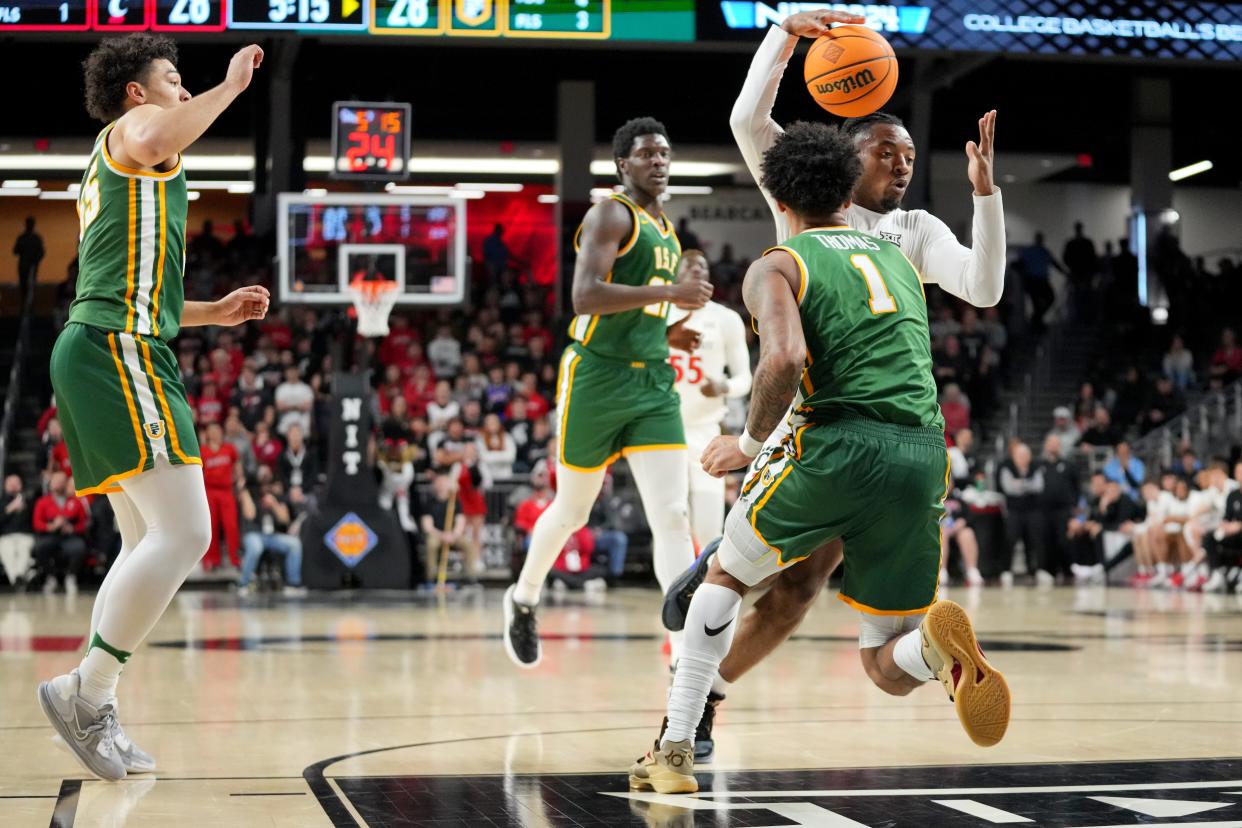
<point x="370" y="141"/>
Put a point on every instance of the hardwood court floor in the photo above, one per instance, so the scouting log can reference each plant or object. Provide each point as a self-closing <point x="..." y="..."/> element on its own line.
<point x="389" y="710"/>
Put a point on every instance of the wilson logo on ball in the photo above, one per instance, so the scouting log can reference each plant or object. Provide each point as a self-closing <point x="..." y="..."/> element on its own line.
<point x="847" y="84"/>
<point x="851" y="71"/>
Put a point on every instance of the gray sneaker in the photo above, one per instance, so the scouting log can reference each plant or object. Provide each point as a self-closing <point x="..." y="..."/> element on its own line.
<point x="88" y="731"/>
<point x="135" y="759"/>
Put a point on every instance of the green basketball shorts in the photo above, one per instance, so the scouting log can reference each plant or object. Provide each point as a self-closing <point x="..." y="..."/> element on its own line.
<point x="607" y="409"/>
<point x="121" y="403"/>
<point x="879" y="487"/>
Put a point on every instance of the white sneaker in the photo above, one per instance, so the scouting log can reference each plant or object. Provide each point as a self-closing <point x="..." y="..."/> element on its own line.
<point x="294" y="591"/>
<point x="1044" y="579"/>
<point x="974" y="578"/>
<point x="558" y="587"/>
<point x="1006" y="580"/>
<point x="944" y="577"/>
<point x="71" y="585"/>
<point x="1217" y="582"/>
<point x="245" y="589"/>
<point x="49" y="584"/>
<point x="596" y="585"/>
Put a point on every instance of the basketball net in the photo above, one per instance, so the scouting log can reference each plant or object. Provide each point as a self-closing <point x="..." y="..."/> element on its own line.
<point x="373" y="301"/>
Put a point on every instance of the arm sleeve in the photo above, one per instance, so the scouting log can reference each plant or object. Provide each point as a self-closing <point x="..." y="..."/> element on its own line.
<point x="737" y="358"/>
<point x="751" y="119"/>
<point x="40" y="516"/>
<point x="975" y="274"/>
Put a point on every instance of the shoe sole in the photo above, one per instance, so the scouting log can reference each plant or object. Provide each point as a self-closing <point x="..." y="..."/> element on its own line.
<point x="513" y="656"/>
<point x="673" y="614"/>
<point x="49" y="710"/>
<point x="982" y="696"/>
<point x="675" y="785"/>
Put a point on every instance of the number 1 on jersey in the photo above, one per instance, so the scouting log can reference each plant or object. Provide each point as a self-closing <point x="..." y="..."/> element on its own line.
<point x="881" y="300"/>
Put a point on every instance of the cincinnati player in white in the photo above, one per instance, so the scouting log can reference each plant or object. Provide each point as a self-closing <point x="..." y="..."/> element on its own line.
<point x="704" y="388"/>
<point x="975" y="274"/>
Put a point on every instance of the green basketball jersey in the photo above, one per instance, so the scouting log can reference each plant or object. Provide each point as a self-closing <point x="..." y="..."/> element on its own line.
<point x="649" y="257"/>
<point x="864" y="315"/>
<point x="131" y="251"/>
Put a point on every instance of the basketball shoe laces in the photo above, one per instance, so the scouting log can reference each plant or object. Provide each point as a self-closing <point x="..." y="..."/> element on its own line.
<point x="105" y="726"/>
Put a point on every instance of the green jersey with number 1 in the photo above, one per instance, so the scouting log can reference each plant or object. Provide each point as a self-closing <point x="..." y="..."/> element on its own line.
<point x="649" y="256"/>
<point x="864" y="315"/>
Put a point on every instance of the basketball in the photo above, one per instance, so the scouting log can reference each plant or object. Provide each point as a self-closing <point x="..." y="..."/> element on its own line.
<point x="851" y="71"/>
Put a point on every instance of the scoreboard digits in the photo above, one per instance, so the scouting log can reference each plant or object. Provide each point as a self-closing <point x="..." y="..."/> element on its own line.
<point x="43" y="15"/>
<point x="370" y="140"/>
<point x="548" y="19"/>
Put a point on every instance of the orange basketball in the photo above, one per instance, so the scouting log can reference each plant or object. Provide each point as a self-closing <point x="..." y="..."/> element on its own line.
<point x="851" y="71"/>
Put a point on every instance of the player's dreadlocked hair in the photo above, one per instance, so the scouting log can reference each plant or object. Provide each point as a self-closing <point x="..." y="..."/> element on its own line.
<point x="623" y="138"/>
<point x="857" y="129"/>
<point x="114" y="63"/>
<point x="811" y="169"/>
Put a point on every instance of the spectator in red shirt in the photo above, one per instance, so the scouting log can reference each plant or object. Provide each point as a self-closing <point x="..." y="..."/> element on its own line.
<point x="222" y="370"/>
<point x="529" y="510"/>
<point x="46" y="417"/>
<point x="267" y="446"/>
<point x="420" y="390"/>
<point x="394" y="348"/>
<point x="391" y="388"/>
<point x="536" y="406"/>
<point x="226" y="343"/>
<point x="221" y="471"/>
<point x="54" y="451"/>
<point x="1227" y="361"/>
<point x="955" y="408"/>
<point x="60" y="534"/>
<point x="412" y="360"/>
<point x="276" y="329"/>
<point x="210" y="404"/>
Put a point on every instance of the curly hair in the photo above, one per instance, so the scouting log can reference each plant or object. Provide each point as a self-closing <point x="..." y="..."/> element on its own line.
<point x="623" y="138"/>
<point x="860" y="128"/>
<point x="811" y="169"/>
<point x="114" y="63"/>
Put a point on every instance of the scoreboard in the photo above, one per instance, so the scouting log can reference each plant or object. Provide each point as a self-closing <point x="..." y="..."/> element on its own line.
<point x="550" y="19"/>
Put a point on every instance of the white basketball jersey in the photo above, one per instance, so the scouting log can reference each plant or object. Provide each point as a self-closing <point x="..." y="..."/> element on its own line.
<point x="722" y="330"/>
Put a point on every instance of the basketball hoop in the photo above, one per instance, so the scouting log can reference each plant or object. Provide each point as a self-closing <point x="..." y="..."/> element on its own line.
<point x="373" y="301"/>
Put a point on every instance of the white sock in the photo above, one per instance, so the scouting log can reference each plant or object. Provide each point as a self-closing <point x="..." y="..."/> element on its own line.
<point x="99" y="674"/>
<point x="1164" y="569"/>
<point x="719" y="686"/>
<point x="714" y="608"/>
<point x="908" y="653"/>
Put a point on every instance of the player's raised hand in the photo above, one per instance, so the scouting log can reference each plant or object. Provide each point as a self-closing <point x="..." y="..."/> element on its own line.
<point x="980" y="156"/>
<point x="722" y="456"/>
<point x="242" y="66"/>
<point x="692" y="294"/>
<point x="818" y="22"/>
<point x="242" y="305"/>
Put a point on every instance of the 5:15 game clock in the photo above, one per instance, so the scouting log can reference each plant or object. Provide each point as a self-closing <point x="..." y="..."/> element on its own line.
<point x="370" y="140"/>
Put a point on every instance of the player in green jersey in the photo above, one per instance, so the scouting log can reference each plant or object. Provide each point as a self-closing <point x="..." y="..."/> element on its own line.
<point x="615" y="395"/>
<point x="118" y="388"/>
<point x="844" y="338"/>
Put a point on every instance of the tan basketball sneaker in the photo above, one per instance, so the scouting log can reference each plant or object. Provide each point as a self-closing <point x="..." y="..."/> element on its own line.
<point x="667" y="770"/>
<point x="976" y="688"/>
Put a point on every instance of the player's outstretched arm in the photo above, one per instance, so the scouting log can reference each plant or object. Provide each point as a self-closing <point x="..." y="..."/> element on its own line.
<point x="770" y="292"/>
<point x="605" y="229"/>
<point x="152" y="135"/>
<point x="242" y="305"/>
<point x="975" y="274"/>
<point x="751" y="118"/>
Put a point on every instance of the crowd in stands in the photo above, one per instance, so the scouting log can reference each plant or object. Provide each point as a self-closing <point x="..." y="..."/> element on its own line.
<point x="463" y="404"/>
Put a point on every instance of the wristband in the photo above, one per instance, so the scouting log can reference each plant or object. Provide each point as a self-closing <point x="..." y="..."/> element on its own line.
<point x="749" y="445"/>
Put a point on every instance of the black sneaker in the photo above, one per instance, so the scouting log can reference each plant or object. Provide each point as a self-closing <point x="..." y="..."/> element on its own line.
<point x="704" y="745"/>
<point x="521" y="633"/>
<point x="677" y="599"/>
